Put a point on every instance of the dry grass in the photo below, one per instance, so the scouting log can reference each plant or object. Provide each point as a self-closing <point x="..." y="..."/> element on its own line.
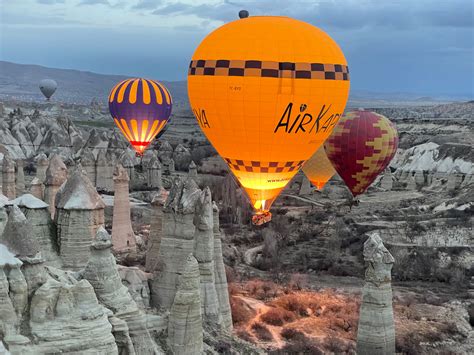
<point x="277" y="316"/>
<point x="261" y="332"/>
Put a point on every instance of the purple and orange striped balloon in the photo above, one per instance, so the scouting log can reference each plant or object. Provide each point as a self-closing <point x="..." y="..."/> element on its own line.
<point x="140" y="108"/>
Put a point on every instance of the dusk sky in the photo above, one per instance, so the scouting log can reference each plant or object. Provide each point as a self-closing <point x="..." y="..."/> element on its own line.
<point x="419" y="46"/>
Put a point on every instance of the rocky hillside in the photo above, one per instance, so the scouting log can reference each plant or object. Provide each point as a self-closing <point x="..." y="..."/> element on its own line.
<point x="20" y="81"/>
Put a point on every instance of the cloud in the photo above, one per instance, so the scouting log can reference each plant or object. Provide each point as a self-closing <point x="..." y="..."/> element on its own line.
<point x="147" y="4"/>
<point x="94" y="2"/>
<point x="49" y="2"/>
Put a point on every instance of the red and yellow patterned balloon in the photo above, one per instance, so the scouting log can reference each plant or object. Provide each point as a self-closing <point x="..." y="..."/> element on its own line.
<point x="360" y="147"/>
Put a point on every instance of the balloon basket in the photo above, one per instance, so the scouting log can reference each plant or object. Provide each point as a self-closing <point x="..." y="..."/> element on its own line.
<point x="261" y="218"/>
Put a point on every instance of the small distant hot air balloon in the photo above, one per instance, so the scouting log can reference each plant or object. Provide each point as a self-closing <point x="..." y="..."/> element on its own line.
<point x="141" y="109"/>
<point x="360" y="147"/>
<point x="319" y="169"/>
<point x="48" y="87"/>
<point x="267" y="92"/>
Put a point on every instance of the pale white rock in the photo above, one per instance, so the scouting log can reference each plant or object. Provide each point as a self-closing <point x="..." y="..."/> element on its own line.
<point x="66" y="317"/>
<point x="88" y="162"/>
<point x="80" y="212"/>
<point x="101" y="271"/>
<point x="181" y="157"/>
<point x="411" y="183"/>
<point x="36" y="212"/>
<point x="156" y="230"/>
<point x="177" y="241"/>
<point x="136" y="281"/>
<point x="376" y="331"/>
<point x="419" y="178"/>
<point x="166" y="151"/>
<point x="105" y="165"/>
<point x="455" y="179"/>
<point x="42" y="164"/>
<point x="56" y="175"/>
<point x="305" y="188"/>
<point x="20" y="178"/>
<point x="204" y="254"/>
<point x="185" y="332"/>
<point x="153" y="170"/>
<point x="192" y="169"/>
<point x="8" y="177"/>
<point x="386" y="182"/>
<point x="18" y="234"/>
<point x="123" y="238"/>
<point x="9" y="321"/>
<point x="129" y="165"/>
<point x="220" y="275"/>
<point x="37" y="189"/>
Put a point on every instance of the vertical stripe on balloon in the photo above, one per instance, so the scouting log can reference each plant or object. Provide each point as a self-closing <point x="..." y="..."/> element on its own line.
<point x="159" y="98"/>
<point x="121" y="128"/>
<point x="114" y="90"/>
<point x="144" y="130"/>
<point x="121" y="92"/>
<point x="167" y="95"/>
<point x="132" y="97"/>
<point x="135" y="130"/>
<point x="146" y="92"/>
<point x="127" y="130"/>
<point x="152" y="130"/>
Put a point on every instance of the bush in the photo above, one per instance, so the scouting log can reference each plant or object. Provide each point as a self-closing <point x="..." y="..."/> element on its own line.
<point x="262" y="332"/>
<point x="241" y="313"/>
<point x="292" y="334"/>
<point x="277" y="316"/>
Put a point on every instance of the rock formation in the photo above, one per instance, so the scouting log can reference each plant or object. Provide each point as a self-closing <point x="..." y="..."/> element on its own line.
<point x="376" y="331"/>
<point x="181" y="157"/>
<point x="166" y="151"/>
<point x="66" y="317"/>
<point x="204" y="254"/>
<point x="419" y="178"/>
<point x="88" y="163"/>
<point x="136" y="281"/>
<point x="8" y="177"/>
<point x="105" y="166"/>
<point x="305" y="188"/>
<point x="220" y="275"/>
<point x="185" y="331"/>
<point x="36" y="212"/>
<point x="42" y="164"/>
<point x="411" y="183"/>
<point x="386" y="182"/>
<point x="56" y="175"/>
<point x="128" y="164"/>
<point x="37" y="189"/>
<point x="455" y="179"/>
<point x="18" y="234"/>
<point x="80" y="212"/>
<point x="156" y="230"/>
<point x="101" y="271"/>
<point x="20" y="178"/>
<point x="123" y="238"/>
<point x="153" y="171"/>
<point x="177" y="242"/>
<point x="192" y="169"/>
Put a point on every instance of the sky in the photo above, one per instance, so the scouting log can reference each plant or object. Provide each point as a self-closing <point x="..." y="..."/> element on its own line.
<point x="414" y="46"/>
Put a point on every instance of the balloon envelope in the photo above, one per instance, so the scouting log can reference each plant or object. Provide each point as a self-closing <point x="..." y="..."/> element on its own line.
<point x="48" y="87"/>
<point x="360" y="147"/>
<point x="267" y="92"/>
<point x="319" y="169"/>
<point x="140" y="108"/>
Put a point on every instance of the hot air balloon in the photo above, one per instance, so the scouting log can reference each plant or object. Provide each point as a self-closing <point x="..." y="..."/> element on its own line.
<point x="48" y="87"/>
<point x="141" y="109"/>
<point x="362" y="144"/>
<point x="267" y="92"/>
<point x="319" y="169"/>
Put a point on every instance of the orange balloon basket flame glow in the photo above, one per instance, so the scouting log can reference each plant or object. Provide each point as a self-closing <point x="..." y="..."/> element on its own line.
<point x="261" y="217"/>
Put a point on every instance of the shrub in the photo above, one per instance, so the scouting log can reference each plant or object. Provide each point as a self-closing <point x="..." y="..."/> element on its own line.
<point x="277" y="316"/>
<point x="241" y="313"/>
<point x="261" y="332"/>
<point x="292" y="334"/>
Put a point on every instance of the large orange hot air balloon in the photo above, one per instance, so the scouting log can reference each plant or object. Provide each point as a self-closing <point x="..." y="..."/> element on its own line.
<point x="319" y="169"/>
<point x="362" y="144"/>
<point x="141" y="109"/>
<point x="267" y="92"/>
